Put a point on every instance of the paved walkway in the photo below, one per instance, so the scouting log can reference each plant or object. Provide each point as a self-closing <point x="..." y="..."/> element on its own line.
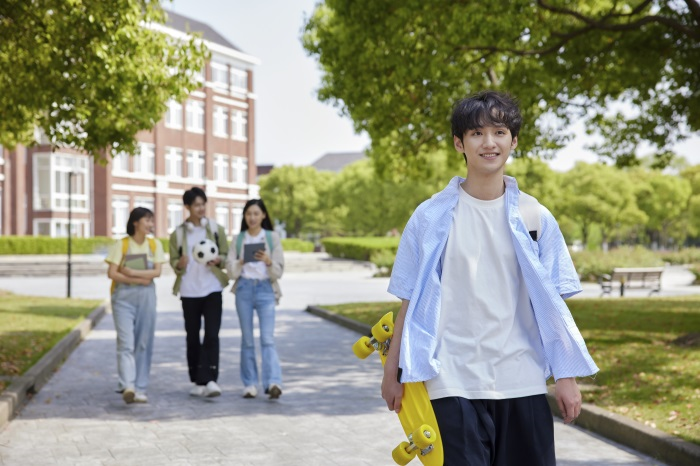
<point x="331" y="412"/>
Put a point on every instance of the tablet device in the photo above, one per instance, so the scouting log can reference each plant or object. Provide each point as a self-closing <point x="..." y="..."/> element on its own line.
<point x="249" y="251"/>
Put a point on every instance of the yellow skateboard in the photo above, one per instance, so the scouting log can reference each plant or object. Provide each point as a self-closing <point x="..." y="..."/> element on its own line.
<point x="416" y="415"/>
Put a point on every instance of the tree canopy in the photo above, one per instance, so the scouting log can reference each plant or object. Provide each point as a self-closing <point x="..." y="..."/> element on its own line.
<point x="89" y="73"/>
<point x="397" y="66"/>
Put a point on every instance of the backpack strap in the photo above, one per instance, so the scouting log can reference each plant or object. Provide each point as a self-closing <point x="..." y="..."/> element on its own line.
<point x="531" y="214"/>
<point x="178" y="236"/>
<point x="214" y="229"/>
<point x="239" y="242"/>
<point x="268" y="237"/>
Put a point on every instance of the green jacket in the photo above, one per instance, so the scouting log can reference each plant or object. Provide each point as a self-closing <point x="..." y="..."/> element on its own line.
<point x="217" y="270"/>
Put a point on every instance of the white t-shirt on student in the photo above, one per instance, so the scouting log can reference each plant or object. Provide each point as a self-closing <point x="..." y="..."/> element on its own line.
<point x="256" y="270"/>
<point x="489" y="346"/>
<point x="198" y="281"/>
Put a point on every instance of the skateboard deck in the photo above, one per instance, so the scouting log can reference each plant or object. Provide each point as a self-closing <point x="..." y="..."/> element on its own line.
<point x="416" y="415"/>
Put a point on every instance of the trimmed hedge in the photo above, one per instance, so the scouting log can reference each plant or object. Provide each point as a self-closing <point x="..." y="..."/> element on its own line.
<point x="682" y="257"/>
<point x="592" y="264"/>
<point x="296" y="244"/>
<point x="46" y="245"/>
<point x="362" y="249"/>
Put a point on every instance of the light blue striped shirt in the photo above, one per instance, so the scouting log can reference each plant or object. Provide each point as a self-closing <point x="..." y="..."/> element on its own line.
<point x="546" y="265"/>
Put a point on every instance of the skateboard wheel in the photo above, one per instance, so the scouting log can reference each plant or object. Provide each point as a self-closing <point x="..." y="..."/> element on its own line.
<point x="362" y="348"/>
<point x="424" y="436"/>
<point x="384" y="329"/>
<point x="401" y="455"/>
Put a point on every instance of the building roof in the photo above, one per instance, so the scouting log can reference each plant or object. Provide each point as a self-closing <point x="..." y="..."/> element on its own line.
<point x="336" y="161"/>
<point x="264" y="169"/>
<point x="185" y="24"/>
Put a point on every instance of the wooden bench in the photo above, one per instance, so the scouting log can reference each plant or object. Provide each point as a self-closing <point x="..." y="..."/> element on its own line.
<point x="632" y="277"/>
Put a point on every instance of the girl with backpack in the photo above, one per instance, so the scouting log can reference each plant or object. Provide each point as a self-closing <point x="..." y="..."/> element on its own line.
<point x="134" y="261"/>
<point x="256" y="287"/>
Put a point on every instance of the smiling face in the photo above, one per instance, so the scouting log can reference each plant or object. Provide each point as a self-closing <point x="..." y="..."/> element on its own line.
<point x="486" y="149"/>
<point x="198" y="208"/>
<point x="254" y="217"/>
<point x="144" y="225"/>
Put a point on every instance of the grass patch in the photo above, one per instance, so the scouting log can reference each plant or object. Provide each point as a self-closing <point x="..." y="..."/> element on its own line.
<point x="642" y="374"/>
<point x="30" y="326"/>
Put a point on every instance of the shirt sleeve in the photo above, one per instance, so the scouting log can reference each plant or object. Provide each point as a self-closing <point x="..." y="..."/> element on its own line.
<point x="159" y="256"/>
<point x="404" y="274"/>
<point x="555" y="257"/>
<point x="114" y="256"/>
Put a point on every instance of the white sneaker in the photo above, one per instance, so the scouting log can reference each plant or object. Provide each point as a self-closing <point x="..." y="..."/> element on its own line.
<point x="212" y="389"/>
<point x="128" y="395"/>
<point x="140" y="397"/>
<point x="275" y="391"/>
<point x="198" y="390"/>
<point x="250" y="392"/>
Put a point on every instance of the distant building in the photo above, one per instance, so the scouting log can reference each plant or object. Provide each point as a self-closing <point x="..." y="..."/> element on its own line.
<point x="207" y="140"/>
<point x="264" y="170"/>
<point x="336" y="161"/>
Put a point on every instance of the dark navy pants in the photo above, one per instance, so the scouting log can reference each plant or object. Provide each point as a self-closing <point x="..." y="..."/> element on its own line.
<point x="516" y="431"/>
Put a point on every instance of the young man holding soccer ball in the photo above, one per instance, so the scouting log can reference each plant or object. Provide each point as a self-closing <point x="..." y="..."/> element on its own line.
<point x="200" y="286"/>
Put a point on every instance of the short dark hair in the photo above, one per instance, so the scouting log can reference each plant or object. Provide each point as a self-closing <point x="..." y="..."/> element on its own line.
<point x="266" y="223"/>
<point x="192" y="194"/>
<point x="487" y="108"/>
<point x="137" y="214"/>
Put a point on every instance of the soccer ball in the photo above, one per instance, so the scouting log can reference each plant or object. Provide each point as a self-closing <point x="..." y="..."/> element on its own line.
<point x="205" y="251"/>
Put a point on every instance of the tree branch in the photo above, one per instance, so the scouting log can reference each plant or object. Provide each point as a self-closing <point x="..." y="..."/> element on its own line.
<point x="694" y="8"/>
<point x="596" y="24"/>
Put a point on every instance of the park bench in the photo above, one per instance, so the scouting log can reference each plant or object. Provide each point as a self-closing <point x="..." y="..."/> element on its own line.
<point x="632" y="277"/>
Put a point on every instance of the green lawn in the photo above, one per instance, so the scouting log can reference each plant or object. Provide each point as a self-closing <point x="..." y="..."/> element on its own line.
<point x="642" y="374"/>
<point x="31" y="326"/>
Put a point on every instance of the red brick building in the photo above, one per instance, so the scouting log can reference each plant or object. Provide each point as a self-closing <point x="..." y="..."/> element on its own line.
<point x="207" y="140"/>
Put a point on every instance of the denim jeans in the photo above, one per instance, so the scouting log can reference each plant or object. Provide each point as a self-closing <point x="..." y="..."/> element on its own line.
<point x="257" y="295"/>
<point x="134" y="313"/>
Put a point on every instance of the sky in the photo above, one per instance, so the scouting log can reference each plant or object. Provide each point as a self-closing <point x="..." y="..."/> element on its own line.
<point x="292" y="125"/>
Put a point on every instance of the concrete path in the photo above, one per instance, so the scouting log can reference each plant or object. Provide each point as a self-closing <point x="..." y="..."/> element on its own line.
<point x="331" y="412"/>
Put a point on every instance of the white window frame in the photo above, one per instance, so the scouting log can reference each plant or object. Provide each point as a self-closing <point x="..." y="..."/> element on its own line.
<point x="220" y="121"/>
<point x="239" y="170"/>
<point x="221" y="170"/>
<point x="222" y="215"/>
<point x="175" y="214"/>
<point x="173" y="159"/>
<point x="120" y="164"/>
<point x="239" y="125"/>
<point x="80" y="227"/>
<point x="219" y="75"/>
<point x="236" y="218"/>
<point x="147" y="202"/>
<point x="195" y="116"/>
<point x="173" y="115"/>
<point x="120" y="215"/>
<point x="59" y="167"/>
<point x="239" y="76"/>
<point x="196" y="164"/>
<point x="145" y="160"/>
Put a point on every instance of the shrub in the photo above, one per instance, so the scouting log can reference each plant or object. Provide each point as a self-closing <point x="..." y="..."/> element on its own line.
<point x="296" y="244"/>
<point x="45" y="245"/>
<point x="592" y="264"/>
<point x="360" y="248"/>
<point x="682" y="257"/>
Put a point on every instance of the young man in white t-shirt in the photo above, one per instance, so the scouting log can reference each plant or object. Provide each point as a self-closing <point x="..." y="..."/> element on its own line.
<point x="483" y="321"/>
<point x="200" y="287"/>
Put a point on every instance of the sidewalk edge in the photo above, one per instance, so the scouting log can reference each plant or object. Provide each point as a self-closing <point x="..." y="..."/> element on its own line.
<point x="13" y="398"/>
<point x="612" y="426"/>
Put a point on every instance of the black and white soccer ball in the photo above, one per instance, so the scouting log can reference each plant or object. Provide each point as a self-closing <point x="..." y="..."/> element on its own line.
<point x="205" y="251"/>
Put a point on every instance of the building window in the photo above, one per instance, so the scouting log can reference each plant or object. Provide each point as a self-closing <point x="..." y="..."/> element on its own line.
<point x="120" y="163"/>
<point x="221" y="168"/>
<point x="174" y="215"/>
<point x="219" y="75"/>
<point x="239" y="170"/>
<point x="239" y="79"/>
<point x="52" y="175"/>
<point x="220" y="121"/>
<point x="195" y="116"/>
<point x="145" y="162"/>
<point x="42" y="228"/>
<point x="120" y="215"/>
<point x="147" y="202"/>
<point x="222" y="212"/>
<point x="195" y="164"/>
<point x="239" y="125"/>
<point x="173" y="116"/>
<point x="173" y="162"/>
<point x="237" y="215"/>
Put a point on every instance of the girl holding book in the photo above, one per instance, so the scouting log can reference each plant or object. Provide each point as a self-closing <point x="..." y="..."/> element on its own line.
<point x="134" y="261"/>
<point x="256" y="268"/>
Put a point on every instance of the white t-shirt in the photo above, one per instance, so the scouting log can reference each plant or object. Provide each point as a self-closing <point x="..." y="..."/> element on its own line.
<point x="197" y="281"/>
<point x="489" y="346"/>
<point x="256" y="270"/>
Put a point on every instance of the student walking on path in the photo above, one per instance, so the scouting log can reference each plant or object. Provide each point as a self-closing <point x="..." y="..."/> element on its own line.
<point x="134" y="261"/>
<point x="200" y="287"/>
<point x="256" y="287"/>
<point x="483" y="320"/>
